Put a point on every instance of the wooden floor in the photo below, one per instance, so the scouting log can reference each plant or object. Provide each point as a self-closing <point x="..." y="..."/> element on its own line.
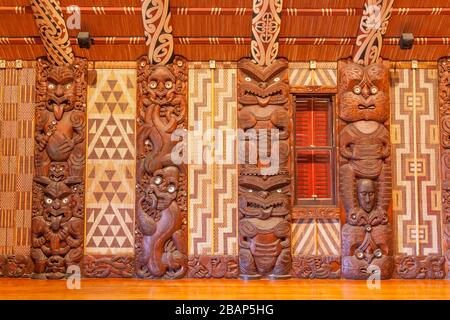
<point x="223" y="289"/>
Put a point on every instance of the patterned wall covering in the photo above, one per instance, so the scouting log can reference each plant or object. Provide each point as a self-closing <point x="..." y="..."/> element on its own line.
<point x="212" y="187"/>
<point x="325" y="74"/>
<point x="415" y="160"/>
<point x="110" y="172"/>
<point x="316" y="237"/>
<point x="17" y="93"/>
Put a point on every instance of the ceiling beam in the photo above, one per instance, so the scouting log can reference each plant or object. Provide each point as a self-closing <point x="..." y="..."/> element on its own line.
<point x="53" y="31"/>
<point x="372" y="28"/>
<point x="158" y="31"/>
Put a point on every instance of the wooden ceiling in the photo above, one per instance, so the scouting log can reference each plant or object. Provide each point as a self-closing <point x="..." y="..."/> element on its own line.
<point x="120" y="25"/>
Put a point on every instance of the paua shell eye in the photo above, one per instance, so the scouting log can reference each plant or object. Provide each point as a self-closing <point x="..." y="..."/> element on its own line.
<point x="168" y="84"/>
<point x="51" y="86"/>
<point x="171" y="188"/>
<point x="153" y="84"/>
<point x="68" y="86"/>
<point x="276" y="79"/>
<point x="48" y="201"/>
<point x="248" y="79"/>
<point x="357" y="89"/>
<point x="279" y="190"/>
<point x="158" y="180"/>
<point x="374" y="90"/>
<point x="250" y="190"/>
<point x="65" y="200"/>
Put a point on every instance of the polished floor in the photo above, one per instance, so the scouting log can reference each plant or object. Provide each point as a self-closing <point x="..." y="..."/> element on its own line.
<point x="223" y="289"/>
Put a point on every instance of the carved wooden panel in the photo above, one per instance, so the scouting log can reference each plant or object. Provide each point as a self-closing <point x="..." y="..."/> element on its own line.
<point x="365" y="171"/>
<point x="213" y="267"/>
<point x="420" y="267"/>
<point x="264" y="184"/>
<point x="15" y="266"/>
<point x="161" y="180"/>
<point x="266" y="23"/>
<point x="444" y="108"/>
<point x="107" y="266"/>
<point x="53" y="31"/>
<point x="316" y="267"/>
<point x="58" y="187"/>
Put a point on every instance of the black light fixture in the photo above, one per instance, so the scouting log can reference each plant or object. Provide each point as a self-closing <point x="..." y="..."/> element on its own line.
<point x="406" y="41"/>
<point x="84" y="40"/>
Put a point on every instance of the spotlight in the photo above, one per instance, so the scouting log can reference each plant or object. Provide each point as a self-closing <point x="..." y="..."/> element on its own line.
<point x="84" y="40"/>
<point x="406" y="41"/>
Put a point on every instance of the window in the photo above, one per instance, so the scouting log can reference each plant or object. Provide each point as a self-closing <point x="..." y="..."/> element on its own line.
<point x="315" y="151"/>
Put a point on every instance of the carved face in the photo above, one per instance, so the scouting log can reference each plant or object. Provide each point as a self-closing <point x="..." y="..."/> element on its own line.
<point x="161" y="85"/>
<point x="263" y="86"/>
<point x="58" y="171"/>
<point x="163" y="187"/>
<point x="367" y="195"/>
<point x="264" y="196"/>
<point x="60" y="90"/>
<point x="364" y="92"/>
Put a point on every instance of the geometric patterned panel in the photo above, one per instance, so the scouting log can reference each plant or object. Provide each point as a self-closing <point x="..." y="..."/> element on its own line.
<point x="325" y="74"/>
<point x="415" y="160"/>
<point x="17" y="91"/>
<point x="212" y="186"/>
<point x="317" y="237"/>
<point x="110" y="166"/>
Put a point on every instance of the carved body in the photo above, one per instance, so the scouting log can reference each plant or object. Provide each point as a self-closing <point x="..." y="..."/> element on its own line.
<point x="58" y="214"/>
<point x="264" y="196"/>
<point x="365" y="173"/>
<point x="161" y="183"/>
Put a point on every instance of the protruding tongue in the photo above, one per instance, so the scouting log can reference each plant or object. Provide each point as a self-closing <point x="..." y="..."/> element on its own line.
<point x="58" y="111"/>
<point x="263" y="101"/>
<point x="267" y="212"/>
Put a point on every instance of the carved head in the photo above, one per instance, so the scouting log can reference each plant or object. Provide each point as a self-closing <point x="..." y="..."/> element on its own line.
<point x="264" y="196"/>
<point x="161" y="85"/>
<point x="263" y="86"/>
<point x="163" y="187"/>
<point x="58" y="171"/>
<point x="363" y="92"/>
<point x="367" y="194"/>
<point x="60" y="90"/>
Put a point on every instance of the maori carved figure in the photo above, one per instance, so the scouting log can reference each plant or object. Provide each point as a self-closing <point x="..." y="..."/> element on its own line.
<point x="213" y="267"/>
<point x="15" y="266"/>
<point x="444" y="108"/>
<point x="161" y="204"/>
<point x="58" y="198"/>
<point x="107" y="267"/>
<point x="316" y="267"/>
<point x="414" y="267"/>
<point x="264" y="196"/>
<point x="365" y="173"/>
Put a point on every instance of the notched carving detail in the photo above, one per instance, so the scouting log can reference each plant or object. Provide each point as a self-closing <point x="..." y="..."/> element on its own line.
<point x="107" y="266"/>
<point x="414" y="267"/>
<point x="15" y="266"/>
<point x="213" y="267"/>
<point x="316" y="267"/>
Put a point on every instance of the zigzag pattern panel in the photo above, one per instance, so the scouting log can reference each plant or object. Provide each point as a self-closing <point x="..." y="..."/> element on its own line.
<point x="415" y="156"/>
<point x="301" y="75"/>
<point x="110" y="185"/>
<point x="316" y="237"/>
<point x="225" y="183"/>
<point x="17" y="93"/>
<point x="200" y="239"/>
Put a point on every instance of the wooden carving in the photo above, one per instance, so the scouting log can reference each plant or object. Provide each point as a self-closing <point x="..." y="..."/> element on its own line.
<point x="15" y="266"/>
<point x="444" y="108"/>
<point x="161" y="197"/>
<point x="365" y="172"/>
<point x="213" y="267"/>
<point x="266" y="23"/>
<point x="58" y="197"/>
<point x="414" y="267"/>
<point x="316" y="267"/>
<point x="107" y="267"/>
<point x="52" y="28"/>
<point x="264" y="195"/>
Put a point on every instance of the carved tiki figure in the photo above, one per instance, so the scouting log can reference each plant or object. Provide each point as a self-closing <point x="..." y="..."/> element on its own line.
<point x="161" y="244"/>
<point x="365" y="173"/>
<point x="58" y="199"/>
<point x="264" y="197"/>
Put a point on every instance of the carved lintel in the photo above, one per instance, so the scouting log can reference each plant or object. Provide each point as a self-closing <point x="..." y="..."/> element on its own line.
<point x="15" y="266"/>
<point x="158" y="31"/>
<point x="266" y="23"/>
<point x="49" y="19"/>
<point x="58" y="186"/>
<point x="423" y="267"/>
<point x="365" y="170"/>
<point x="107" y="266"/>
<point x="327" y="213"/>
<point x="313" y="89"/>
<point x="316" y="267"/>
<point x="213" y="267"/>
<point x="265" y="188"/>
<point x="161" y="173"/>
